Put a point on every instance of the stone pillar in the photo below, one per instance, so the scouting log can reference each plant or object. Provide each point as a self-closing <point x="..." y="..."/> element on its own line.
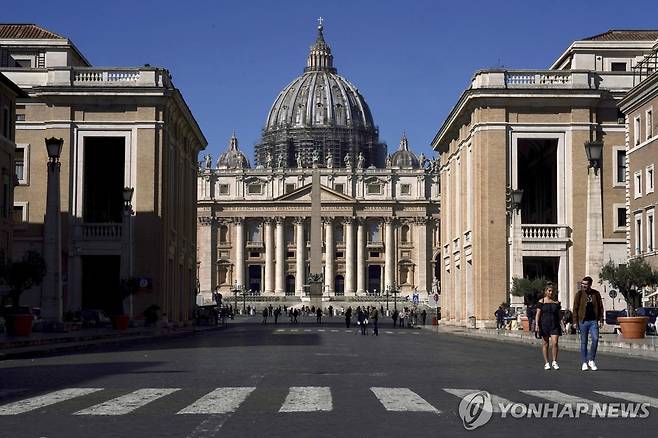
<point x="389" y="247"/>
<point x="349" y="256"/>
<point x="269" y="256"/>
<point x="594" y="240"/>
<point x="207" y="245"/>
<point x="330" y="256"/>
<point x="516" y="253"/>
<point x="239" y="252"/>
<point x="424" y="255"/>
<point x="280" y="276"/>
<point x="51" y="302"/>
<point x="300" y="257"/>
<point x="361" y="257"/>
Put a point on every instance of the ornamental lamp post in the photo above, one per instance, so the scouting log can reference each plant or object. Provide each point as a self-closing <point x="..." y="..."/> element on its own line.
<point x="52" y="302"/>
<point x="594" y="151"/>
<point x="516" y="196"/>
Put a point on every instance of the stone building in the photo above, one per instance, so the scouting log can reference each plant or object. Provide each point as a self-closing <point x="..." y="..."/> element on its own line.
<point x="8" y="94"/>
<point x="531" y="130"/>
<point x="376" y="228"/>
<point x="121" y="128"/>
<point x="639" y="106"/>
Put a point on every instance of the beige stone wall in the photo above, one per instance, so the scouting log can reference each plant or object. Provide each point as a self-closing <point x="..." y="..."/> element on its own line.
<point x="7" y="148"/>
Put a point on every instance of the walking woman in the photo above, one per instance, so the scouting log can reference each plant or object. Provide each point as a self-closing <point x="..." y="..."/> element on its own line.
<point x="548" y="325"/>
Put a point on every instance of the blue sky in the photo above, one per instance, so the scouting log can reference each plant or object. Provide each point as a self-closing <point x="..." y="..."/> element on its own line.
<point x="411" y="60"/>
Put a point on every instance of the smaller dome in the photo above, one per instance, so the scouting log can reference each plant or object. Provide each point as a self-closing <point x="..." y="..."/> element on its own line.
<point x="233" y="158"/>
<point x="403" y="157"/>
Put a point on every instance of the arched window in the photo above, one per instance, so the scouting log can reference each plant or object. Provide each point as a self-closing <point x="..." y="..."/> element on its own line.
<point x="253" y="232"/>
<point x="373" y="232"/>
<point x="404" y="234"/>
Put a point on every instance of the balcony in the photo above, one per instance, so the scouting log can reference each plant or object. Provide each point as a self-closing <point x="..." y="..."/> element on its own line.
<point x="101" y="231"/>
<point x="545" y="237"/>
<point x="551" y="79"/>
<point x="89" y="77"/>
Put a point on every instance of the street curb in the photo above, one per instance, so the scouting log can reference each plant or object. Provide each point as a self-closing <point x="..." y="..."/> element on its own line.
<point x="45" y="348"/>
<point x="615" y="348"/>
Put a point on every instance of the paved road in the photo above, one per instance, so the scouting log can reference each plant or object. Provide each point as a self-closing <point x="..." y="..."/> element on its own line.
<point x="252" y="380"/>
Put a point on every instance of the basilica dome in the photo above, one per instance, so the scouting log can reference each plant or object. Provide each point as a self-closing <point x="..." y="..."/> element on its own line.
<point x="233" y="158"/>
<point x="320" y="112"/>
<point x="403" y="157"/>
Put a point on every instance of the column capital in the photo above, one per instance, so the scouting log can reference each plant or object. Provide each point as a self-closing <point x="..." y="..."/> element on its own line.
<point x="280" y="220"/>
<point x="238" y="220"/>
<point x="205" y="221"/>
<point x="327" y="220"/>
<point x="348" y="220"/>
<point x="299" y="220"/>
<point x="390" y="220"/>
<point x="268" y="220"/>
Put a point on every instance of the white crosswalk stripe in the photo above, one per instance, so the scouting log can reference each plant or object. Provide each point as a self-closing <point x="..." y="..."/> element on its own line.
<point x="496" y="401"/>
<point x="219" y="401"/>
<point x="557" y="397"/>
<point x="41" y="401"/>
<point x="127" y="403"/>
<point x="402" y="400"/>
<point x="631" y="397"/>
<point x="307" y="399"/>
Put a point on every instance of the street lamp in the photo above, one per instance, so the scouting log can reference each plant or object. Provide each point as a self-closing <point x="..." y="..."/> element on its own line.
<point x="594" y="151"/>
<point x="392" y="289"/>
<point x="514" y="198"/>
<point x="53" y="306"/>
<point x="128" y="197"/>
<point x="127" y="240"/>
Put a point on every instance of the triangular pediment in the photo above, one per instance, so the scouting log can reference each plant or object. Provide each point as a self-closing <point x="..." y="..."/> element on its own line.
<point x="303" y="194"/>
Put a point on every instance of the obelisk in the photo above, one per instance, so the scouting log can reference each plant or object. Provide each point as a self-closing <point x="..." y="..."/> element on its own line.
<point x="316" y="280"/>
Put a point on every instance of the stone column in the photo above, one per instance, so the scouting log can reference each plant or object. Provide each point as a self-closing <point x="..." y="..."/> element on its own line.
<point x="349" y="256"/>
<point x="269" y="256"/>
<point x="389" y="247"/>
<point x="300" y="257"/>
<point x="594" y="241"/>
<point x="424" y="255"/>
<point x="52" y="307"/>
<point x="280" y="276"/>
<point x="361" y="257"/>
<point x="239" y="251"/>
<point x="207" y="244"/>
<point x="330" y="256"/>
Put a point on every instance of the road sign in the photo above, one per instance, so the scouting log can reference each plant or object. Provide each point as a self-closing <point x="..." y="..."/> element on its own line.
<point x="415" y="298"/>
<point x="613" y="294"/>
<point x="433" y="300"/>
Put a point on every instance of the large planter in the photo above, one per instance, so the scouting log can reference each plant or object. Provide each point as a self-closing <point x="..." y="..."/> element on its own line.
<point x="525" y="323"/>
<point x="633" y="327"/>
<point x="120" y="322"/>
<point x="19" y="324"/>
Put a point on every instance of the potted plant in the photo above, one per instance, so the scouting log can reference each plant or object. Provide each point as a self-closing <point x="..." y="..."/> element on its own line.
<point x="630" y="278"/>
<point x="531" y="291"/>
<point x="120" y="320"/>
<point x="19" y="276"/>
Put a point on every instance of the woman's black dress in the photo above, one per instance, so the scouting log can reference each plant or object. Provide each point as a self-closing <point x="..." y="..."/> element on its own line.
<point x="549" y="323"/>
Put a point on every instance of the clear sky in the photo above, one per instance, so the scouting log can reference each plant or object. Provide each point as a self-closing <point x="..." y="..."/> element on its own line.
<point x="410" y="59"/>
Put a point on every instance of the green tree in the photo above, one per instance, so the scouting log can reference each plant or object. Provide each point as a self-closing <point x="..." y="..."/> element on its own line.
<point x="23" y="274"/>
<point x="531" y="290"/>
<point x="630" y="278"/>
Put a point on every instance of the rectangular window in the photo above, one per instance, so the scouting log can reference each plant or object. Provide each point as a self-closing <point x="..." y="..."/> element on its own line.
<point x="339" y="254"/>
<point x="620" y="168"/>
<point x="651" y="235"/>
<point x="636" y="131"/>
<point x="23" y="62"/>
<point x="19" y="163"/>
<point x="618" y="66"/>
<point x="374" y="189"/>
<point x="290" y="188"/>
<point x="290" y="254"/>
<point x="20" y="117"/>
<point x="374" y="254"/>
<point x="648" y="175"/>
<point x="18" y="215"/>
<point x="254" y="254"/>
<point x="637" y="184"/>
<point x="405" y="189"/>
<point x="255" y="189"/>
<point x="340" y="188"/>
<point x="638" y="233"/>
<point x="223" y="189"/>
<point x="649" y="124"/>
<point x="338" y="233"/>
<point x="6" y="123"/>
<point x="621" y="217"/>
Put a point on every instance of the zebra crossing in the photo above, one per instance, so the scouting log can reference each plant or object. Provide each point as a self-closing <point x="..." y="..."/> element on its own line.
<point x="299" y="399"/>
<point x="352" y="331"/>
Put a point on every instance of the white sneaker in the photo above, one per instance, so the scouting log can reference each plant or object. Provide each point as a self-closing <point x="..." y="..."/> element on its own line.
<point x="592" y="365"/>
<point x="555" y="365"/>
<point x="547" y="366"/>
<point x="584" y="367"/>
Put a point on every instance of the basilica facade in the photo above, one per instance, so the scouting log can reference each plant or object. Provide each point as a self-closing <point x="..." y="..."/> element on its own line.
<point x="376" y="214"/>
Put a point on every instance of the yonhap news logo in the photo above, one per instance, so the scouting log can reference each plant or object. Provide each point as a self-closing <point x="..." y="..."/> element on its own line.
<point x="476" y="410"/>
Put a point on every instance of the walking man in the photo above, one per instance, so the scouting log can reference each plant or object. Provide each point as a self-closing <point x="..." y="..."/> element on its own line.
<point x="265" y="313"/>
<point x="318" y="315"/>
<point x="374" y="315"/>
<point x="348" y="317"/>
<point x="423" y="316"/>
<point x="588" y="314"/>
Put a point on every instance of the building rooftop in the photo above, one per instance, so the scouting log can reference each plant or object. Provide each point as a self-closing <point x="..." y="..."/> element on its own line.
<point x="26" y="31"/>
<point x="625" y="35"/>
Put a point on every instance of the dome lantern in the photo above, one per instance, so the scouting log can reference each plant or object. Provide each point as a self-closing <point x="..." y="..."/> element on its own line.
<point x="320" y="57"/>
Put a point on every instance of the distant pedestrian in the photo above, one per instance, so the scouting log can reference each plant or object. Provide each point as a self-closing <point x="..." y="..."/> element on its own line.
<point x="549" y="325"/>
<point x="277" y="312"/>
<point x="318" y="316"/>
<point x="348" y="316"/>
<point x="295" y="314"/>
<point x="394" y="317"/>
<point x="374" y="316"/>
<point x="331" y="311"/>
<point x="500" y="317"/>
<point x="265" y="313"/>
<point x="588" y="314"/>
<point x="423" y="316"/>
<point x="402" y="316"/>
<point x="361" y="320"/>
